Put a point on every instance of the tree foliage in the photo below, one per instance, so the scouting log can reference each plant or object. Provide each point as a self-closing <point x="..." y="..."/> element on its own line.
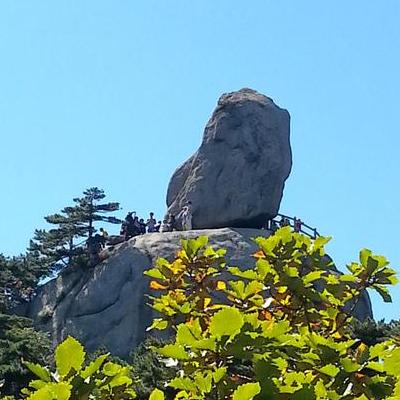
<point x="62" y="245"/>
<point x="372" y="332"/>
<point x="19" y="277"/>
<point x="280" y="330"/>
<point x="290" y="339"/>
<point x="74" y="379"/>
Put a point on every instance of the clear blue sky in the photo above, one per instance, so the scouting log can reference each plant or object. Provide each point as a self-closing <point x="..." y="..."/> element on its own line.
<point x="116" y="94"/>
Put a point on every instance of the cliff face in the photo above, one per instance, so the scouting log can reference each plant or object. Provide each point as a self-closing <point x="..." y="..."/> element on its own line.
<point x="106" y="305"/>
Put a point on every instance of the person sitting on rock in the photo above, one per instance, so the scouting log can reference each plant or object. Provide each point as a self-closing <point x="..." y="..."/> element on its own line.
<point x="94" y="246"/>
<point x="164" y="227"/>
<point x="171" y="222"/>
<point x="151" y="223"/>
<point x="157" y="226"/>
<point x="104" y="237"/>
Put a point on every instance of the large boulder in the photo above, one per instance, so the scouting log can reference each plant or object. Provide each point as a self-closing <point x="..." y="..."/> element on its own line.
<point x="236" y="177"/>
<point x="106" y="306"/>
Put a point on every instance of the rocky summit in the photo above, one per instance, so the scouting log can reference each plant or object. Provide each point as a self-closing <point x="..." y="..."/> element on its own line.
<point x="236" y="177"/>
<point x="106" y="306"/>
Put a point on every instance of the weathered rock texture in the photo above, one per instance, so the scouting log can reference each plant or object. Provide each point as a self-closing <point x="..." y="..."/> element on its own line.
<point x="106" y="305"/>
<point x="236" y="177"/>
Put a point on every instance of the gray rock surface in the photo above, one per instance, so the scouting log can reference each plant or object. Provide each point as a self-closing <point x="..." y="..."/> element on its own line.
<point x="236" y="177"/>
<point x="106" y="305"/>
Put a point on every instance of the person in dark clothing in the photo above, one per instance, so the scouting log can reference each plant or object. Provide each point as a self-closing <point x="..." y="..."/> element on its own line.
<point x="94" y="246"/>
<point x="297" y="224"/>
<point x="129" y="226"/>
<point x="142" y="226"/>
<point x="171" y="222"/>
<point x="136" y="226"/>
<point x="274" y="226"/>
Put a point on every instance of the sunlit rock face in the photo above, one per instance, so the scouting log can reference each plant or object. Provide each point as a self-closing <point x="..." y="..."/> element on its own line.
<point x="105" y="306"/>
<point x="236" y="177"/>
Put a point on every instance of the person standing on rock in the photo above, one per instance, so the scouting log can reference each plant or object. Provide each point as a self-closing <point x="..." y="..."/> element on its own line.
<point x="186" y="216"/>
<point x="297" y="224"/>
<point x="142" y="225"/>
<point x="129" y="226"/>
<point x="151" y="223"/>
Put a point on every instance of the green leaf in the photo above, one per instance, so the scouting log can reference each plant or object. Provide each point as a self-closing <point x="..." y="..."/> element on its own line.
<point x="330" y="370"/>
<point x="203" y="381"/>
<point x="349" y="365"/>
<point x="111" y="369"/>
<point x="53" y="391"/>
<point x="183" y="383"/>
<point x="219" y="373"/>
<point x="175" y="351"/>
<point x="185" y="335"/>
<point x="246" y="391"/>
<point x="364" y="255"/>
<point x="226" y="322"/>
<point x="156" y="394"/>
<point x="154" y="273"/>
<point x="383" y="292"/>
<point x="391" y="364"/>
<point x="377" y="350"/>
<point x="62" y="391"/>
<point x="39" y="371"/>
<point x="192" y="246"/>
<point x="120" y="380"/>
<point x="320" y="242"/>
<point x="263" y="267"/>
<point x="69" y="355"/>
<point x="37" y="384"/>
<point x="94" y="366"/>
<point x="247" y="274"/>
<point x="312" y="276"/>
<point x="159" y="324"/>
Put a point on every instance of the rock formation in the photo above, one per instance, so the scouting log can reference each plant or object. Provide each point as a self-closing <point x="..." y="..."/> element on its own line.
<point x="236" y="177"/>
<point x="106" y="305"/>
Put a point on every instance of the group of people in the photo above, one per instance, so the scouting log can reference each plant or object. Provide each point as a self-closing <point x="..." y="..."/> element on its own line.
<point x="135" y="226"/>
<point x="273" y="225"/>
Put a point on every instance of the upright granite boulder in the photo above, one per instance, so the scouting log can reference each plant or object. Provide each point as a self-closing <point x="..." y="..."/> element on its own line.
<point x="236" y="177"/>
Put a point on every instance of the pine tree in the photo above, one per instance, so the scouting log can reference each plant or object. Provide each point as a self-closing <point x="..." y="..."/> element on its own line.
<point x="19" y="277"/>
<point x="64" y="245"/>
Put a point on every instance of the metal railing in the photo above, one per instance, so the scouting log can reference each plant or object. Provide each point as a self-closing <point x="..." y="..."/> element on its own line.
<point x="282" y="220"/>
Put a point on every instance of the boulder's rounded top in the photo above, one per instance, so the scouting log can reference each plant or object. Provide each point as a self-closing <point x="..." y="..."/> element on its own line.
<point x="243" y="95"/>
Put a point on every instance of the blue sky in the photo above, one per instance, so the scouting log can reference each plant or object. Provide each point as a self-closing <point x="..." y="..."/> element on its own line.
<point x="116" y="95"/>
